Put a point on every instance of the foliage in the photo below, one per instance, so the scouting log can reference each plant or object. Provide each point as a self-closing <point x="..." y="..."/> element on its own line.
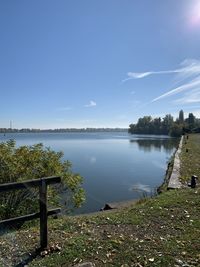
<point x="166" y="126"/>
<point x="32" y="162"/>
<point x="176" y="130"/>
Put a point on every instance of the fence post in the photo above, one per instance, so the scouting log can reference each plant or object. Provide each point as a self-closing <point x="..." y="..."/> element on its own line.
<point x="43" y="214"/>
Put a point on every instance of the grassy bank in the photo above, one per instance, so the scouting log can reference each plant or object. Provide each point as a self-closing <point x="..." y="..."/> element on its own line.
<point x="162" y="231"/>
<point x="190" y="155"/>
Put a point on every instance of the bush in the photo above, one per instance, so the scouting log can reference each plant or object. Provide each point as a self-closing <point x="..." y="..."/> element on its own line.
<point x="33" y="162"/>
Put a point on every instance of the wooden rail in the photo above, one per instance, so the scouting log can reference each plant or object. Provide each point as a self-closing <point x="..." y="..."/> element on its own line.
<point x="43" y="214"/>
<point x="30" y="183"/>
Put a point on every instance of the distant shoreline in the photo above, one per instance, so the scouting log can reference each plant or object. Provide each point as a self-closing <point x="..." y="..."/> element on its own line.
<point x="67" y="130"/>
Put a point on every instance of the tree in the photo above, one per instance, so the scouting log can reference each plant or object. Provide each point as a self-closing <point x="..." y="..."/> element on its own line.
<point x="167" y="123"/>
<point x="181" y="116"/>
<point x="176" y="130"/>
<point x="32" y="162"/>
<point x="157" y="126"/>
<point x="191" y="120"/>
<point x="131" y="128"/>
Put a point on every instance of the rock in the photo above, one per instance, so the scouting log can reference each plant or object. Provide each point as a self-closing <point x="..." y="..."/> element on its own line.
<point x="118" y="205"/>
<point x="107" y="206"/>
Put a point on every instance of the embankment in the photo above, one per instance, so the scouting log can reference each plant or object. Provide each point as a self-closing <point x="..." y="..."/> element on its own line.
<point x="171" y="180"/>
<point x="174" y="181"/>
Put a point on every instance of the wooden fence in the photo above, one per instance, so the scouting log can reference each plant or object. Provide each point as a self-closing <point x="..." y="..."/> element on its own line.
<point x="44" y="212"/>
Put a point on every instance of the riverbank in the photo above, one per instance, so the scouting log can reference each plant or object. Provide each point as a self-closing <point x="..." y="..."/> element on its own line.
<point x="161" y="231"/>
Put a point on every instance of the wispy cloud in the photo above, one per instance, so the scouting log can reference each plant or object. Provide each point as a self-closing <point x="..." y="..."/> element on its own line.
<point x="187" y="78"/>
<point x="140" y="75"/>
<point x="191" y="97"/>
<point x="188" y="68"/>
<point x="190" y="85"/>
<point x="91" y="104"/>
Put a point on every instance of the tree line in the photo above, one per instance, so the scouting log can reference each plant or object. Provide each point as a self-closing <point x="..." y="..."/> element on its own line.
<point x="61" y="130"/>
<point x="166" y="125"/>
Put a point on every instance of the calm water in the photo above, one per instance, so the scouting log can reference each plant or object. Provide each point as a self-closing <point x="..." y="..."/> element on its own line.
<point x="115" y="166"/>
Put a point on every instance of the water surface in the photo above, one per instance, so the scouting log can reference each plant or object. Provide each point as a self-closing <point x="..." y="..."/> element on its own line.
<point x="116" y="166"/>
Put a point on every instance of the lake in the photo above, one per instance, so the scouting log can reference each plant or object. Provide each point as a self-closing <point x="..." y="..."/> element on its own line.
<point x="116" y="166"/>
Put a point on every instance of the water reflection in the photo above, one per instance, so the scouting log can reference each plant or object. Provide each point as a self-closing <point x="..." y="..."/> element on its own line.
<point x="93" y="160"/>
<point x="147" y="145"/>
<point x="141" y="188"/>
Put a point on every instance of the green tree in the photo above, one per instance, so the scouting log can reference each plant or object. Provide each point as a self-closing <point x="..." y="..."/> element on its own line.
<point x="181" y="116"/>
<point x="32" y="162"/>
<point x="176" y="130"/>
<point x="167" y="123"/>
<point x="157" y="126"/>
<point x="191" y="120"/>
<point x="131" y="128"/>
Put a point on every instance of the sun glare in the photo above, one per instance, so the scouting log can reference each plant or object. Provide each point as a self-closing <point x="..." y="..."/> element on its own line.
<point x="195" y="14"/>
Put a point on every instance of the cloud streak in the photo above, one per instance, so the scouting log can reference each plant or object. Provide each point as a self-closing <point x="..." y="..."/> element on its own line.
<point x="191" y="97"/>
<point x="188" y="67"/>
<point x="140" y="75"/>
<point x="187" y="76"/>
<point x="91" y="104"/>
<point x="190" y="85"/>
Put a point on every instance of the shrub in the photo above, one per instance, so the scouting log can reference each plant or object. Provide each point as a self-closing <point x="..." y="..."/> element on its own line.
<point x="32" y="162"/>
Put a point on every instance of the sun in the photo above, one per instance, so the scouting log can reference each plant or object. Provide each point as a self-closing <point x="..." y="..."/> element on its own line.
<point x="195" y="14"/>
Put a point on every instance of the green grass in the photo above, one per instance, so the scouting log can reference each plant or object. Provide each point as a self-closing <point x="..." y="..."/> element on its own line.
<point x="190" y="160"/>
<point x="161" y="231"/>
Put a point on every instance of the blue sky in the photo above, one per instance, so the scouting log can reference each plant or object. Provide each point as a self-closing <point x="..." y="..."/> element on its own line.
<point x="70" y="63"/>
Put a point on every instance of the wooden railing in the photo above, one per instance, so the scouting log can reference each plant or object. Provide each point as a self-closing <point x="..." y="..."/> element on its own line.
<point x="43" y="214"/>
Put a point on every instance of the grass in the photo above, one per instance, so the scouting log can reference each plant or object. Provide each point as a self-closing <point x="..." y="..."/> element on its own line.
<point x="161" y="231"/>
<point x="190" y="160"/>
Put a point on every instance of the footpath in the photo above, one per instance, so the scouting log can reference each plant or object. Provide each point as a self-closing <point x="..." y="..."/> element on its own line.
<point x="174" y="180"/>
